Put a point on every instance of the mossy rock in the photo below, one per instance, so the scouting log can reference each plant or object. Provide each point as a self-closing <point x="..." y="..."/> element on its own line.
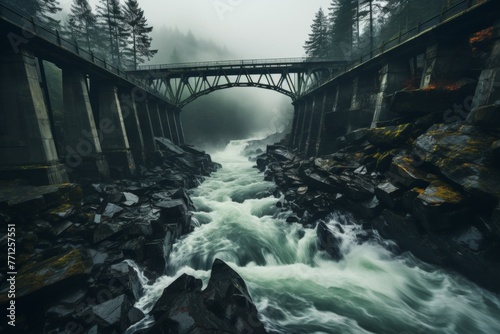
<point x="391" y="136"/>
<point x="440" y="207"/>
<point x="36" y="276"/>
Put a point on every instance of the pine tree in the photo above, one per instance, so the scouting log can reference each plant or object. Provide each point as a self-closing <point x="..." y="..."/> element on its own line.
<point x="317" y="45"/>
<point x="341" y="28"/>
<point x="82" y="23"/>
<point x="110" y="18"/>
<point x="139" y="32"/>
<point x="41" y="10"/>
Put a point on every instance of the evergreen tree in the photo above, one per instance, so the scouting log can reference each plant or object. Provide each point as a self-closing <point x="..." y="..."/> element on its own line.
<point x="317" y="46"/>
<point x="82" y="23"/>
<point x="139" y="32"/>
<point x="341" y="28"/>
<point x="41" y="10"/>
<point x="110" y="18"/>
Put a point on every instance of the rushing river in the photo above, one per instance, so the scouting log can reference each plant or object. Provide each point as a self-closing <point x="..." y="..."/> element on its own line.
<point x="297" y="288"/>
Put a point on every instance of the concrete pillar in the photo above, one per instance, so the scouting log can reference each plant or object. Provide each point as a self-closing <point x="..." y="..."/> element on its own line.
<point x="133" y="128"/>
<point x="446" y="60"/>
<point x="322" y="142"/>
<point x="343" y="97"/>
<point x="362" y="103"/>
<point x="392" y="77"/>
<point x="173" y="125"/>
<point x="162" y="109"/>
<point x="27" y="147"/>
<point x="293" y="133"/>
<point x="314" y="127"/>
<point x="146" y="126"/>
<point x="336" y="121"/>
<point x="309" y="105"/>
<point x="156" y="121"/>
<point x="180" y="130"/>
<point x="115" y="144"/>
<point x="82" y="146"/>
<point x="488" y="86"/>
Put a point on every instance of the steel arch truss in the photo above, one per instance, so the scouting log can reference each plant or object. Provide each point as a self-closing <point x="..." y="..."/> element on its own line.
<point x="182" y="86"/>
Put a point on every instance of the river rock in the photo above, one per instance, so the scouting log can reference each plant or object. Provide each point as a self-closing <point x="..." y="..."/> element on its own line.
<point x="329" y="239"/>
<point x="74" y="266"/>
<point x="391" y="136"/>
<point x="225" y="306"/>
<point x="389" y="194"/>
<point x="440" y="207"/>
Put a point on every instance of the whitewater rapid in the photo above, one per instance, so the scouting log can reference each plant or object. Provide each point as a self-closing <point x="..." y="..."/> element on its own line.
<point x="296" y="286"/>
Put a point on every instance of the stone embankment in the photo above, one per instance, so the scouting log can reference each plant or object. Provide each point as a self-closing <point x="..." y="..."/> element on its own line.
<point x="74" y="244"/>
<point x="428" y="180"/>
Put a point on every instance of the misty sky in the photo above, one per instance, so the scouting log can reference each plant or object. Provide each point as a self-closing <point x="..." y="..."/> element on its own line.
<point x="248" y="28"/>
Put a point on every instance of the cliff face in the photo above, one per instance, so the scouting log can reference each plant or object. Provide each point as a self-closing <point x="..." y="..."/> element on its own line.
<point x="428" y="180"/>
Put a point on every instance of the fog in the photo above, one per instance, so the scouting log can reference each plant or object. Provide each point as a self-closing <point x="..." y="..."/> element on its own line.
<point x="200" y="30"/>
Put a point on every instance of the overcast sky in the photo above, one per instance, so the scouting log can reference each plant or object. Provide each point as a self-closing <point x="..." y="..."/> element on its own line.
<point x="248" y="28"/>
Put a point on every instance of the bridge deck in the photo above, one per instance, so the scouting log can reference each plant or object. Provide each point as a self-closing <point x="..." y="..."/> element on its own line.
<point x="231" y="67"/>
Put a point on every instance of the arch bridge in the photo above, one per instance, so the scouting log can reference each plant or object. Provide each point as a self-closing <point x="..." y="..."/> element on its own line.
<point x="183" y="83"/>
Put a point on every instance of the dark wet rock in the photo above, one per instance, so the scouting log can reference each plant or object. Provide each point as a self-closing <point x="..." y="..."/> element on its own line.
<point x="486" y="117"/>
<point x="329" y="240"/>
<point x="70" y="267"/>
<point x="130" y="199"/>
<point x="389" y="194"/>
<point x="113" y="313"/>
<point x="17" y="197"/>
<point x="495" y="150"/>
<point x="495" y="221"/>
<point x="391" y="136"/>
<point x="440" y="207"/>
<point x="424" y="101"/>
<point x="111" y="210"/>
<point x="405" y="171"/>
<point x="359" y="189"/>
<point x="108" y="230"/>
<point x="225" y="306"/>
<point x="60" y="213"/>
<point x="460" y="153"/>
<point x="408" y="234"/>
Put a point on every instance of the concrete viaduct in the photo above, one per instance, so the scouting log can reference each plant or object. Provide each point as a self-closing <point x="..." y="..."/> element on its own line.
<point x="111" y="117"/>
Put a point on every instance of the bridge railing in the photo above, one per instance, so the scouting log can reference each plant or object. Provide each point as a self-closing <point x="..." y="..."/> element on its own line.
<point x="445" y="14"/>
<point x="38" y="29"/>
<point x="238" y="63"/>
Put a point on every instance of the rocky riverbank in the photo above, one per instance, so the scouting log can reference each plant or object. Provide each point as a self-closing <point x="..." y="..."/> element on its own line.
<point x="428" y="181"/>
<point x="77" y="247"/>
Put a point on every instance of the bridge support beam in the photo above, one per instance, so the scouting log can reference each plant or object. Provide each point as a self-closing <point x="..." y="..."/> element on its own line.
<point x="146" y="127"/>
<point x="328" y="102"/>
<point x="362" y="103"/>
<point x="315" y="123"/>
<point x="306" y="124"/>
<point x="156" y="120"/>
<point x="133" y="128"/>
<point x="488" y="87"/>
<point x="337" y="120"/>
<point x="114" y="143"/>
<point x="446" y="60"/>
<point x="27" y="145"/>
<point x="180" y="130"/>
<point x="173" y="125"/>
<point x="82" y="147"/>
<point x="393" y="76"/>
<point x="167" y="131"/>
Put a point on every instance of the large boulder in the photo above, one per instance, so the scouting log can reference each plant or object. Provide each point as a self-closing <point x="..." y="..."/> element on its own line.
<point x="440" y="207"/>
<point x="329" y="239"/>
<point x="74" y="266"/>
<point x="391" y="136"/>
<point x="463" y="155"/>
<point x="225" y="306"/>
